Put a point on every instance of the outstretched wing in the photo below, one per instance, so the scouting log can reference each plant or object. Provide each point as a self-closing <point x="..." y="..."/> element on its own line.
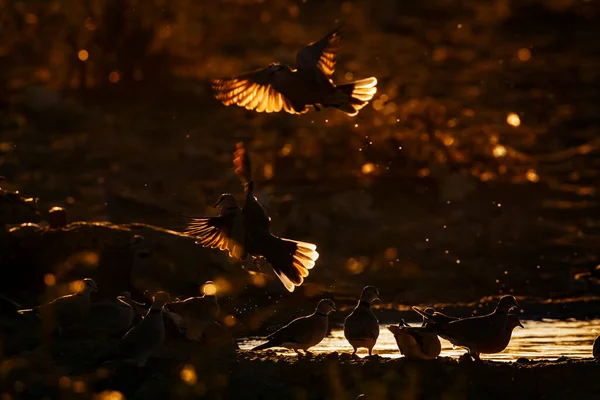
<point x="262" y="90"/>
<point x="321" y="54"/>
<point x="225" y="232"/>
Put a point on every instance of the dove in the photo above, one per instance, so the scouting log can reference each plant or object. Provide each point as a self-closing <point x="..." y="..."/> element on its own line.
<point x="143" y="340"/>
<point x="499" y="343"/>
<point x="417" y="342"/>
<point x="304" y="332"/>
<point x="246" y="231"/>
<point x="194" y="314"/>
<point x="473" y="332"/>
<point x="111" y="316"/>
<point x="279" y="87"/>
<point x="361" y="327"/>
<point x="67" y="310"/>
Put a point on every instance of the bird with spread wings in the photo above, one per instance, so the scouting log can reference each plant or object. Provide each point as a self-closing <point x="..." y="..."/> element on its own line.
<point x="279" y="87"/>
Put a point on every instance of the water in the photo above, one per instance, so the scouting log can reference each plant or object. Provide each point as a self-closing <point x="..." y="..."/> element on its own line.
<point x="540" y="340"/>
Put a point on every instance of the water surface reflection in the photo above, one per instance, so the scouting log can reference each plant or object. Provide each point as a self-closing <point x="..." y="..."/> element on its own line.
<point x="545" y="339"/>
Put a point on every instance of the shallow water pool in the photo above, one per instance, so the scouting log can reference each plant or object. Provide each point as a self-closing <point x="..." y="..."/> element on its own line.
<point x="545" y="339"/>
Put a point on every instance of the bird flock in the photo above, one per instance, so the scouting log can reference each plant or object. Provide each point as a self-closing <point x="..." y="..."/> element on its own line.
<point x="245" y="232"/>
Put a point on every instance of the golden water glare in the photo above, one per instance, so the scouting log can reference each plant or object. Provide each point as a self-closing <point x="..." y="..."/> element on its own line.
<point x="540" y="340"/>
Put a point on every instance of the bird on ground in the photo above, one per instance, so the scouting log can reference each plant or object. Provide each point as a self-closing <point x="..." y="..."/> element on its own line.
<point x="246" y="231"/>
<point x="279" y="87"/>
<point x="143" y="340"/>
<point x="417" y="342"/>
<point x="499" y="343"/>
<point x="110" y="316"/>
<point x="66" y="311"/>
<point x="194" y="314"/>
<point x="361" y="327"/>
<point x="474" y="332"/>
<point x="304" y="332"/>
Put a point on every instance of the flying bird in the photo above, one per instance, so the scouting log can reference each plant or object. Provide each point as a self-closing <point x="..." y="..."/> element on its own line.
<point x="279" y="87"/>
<point x="304" y="332"/>
<point x="246" y="231"/>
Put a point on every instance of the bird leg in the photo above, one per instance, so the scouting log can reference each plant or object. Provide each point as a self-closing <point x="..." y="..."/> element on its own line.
<point x="370" y="352"/>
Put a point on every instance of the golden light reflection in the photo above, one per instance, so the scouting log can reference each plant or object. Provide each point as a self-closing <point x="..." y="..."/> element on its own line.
<point x="513" y="119"/>
<point x="209" y="289"/>
<point x="349" y="76"/>
<point x="31" y="18"/>
<point x="532" y="176"/>
<point x="391" y="253"/>
<point x="114" y="77"/>
<point x="524" y="54"/>
<point x="49" y="280"/>
<point x="83" y="55"/>
<point x="64" y="382"/>
<point x="79" y="387"/>
<point x="423" y="172"/>
<point x="356" y="266"/>
<point x="76" y="286"/>
<point x="229" y="321"/>
<point x="258" y="280"/>
<point x="368" y="168"/>
<point x="286" y="150"/>
<point x="188" y="374"/>
<point x="499" y="151"/>
<point x="110" y="395"/>
<point x="448" y="140"/>
<point x="268" y="171"/>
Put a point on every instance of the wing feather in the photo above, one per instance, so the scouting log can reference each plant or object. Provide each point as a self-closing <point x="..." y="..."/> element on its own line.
<point x="321" y="54"/>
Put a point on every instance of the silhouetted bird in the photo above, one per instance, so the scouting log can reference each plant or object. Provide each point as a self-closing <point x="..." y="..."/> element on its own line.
<point x="476" y="334"/>
<point x="417" y="342"/>
<point x="279" y="87"/>
<point x="361" y="327"/>
<point x="304" y="332"/>
<point x="246" y="231"/>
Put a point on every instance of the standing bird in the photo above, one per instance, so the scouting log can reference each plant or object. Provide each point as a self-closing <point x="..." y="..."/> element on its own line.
<point x="246" y="231"/>
<point x="304" y="332"/>
<point x="278" y="86"/>
<point x="474" y="333"/>
<point x="417" y="342"/>
<point x="361" y="327"/>
<point x="111" y="316"/>
<point x="143" y="340"/>
<point x="66" y="311"/>
<point x="499" y="343"/>
<point x="194" y="314"/>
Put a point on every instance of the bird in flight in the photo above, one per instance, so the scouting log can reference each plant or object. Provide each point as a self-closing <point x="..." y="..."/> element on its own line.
<point x="246" y="231"/>
<point x="279" y="87"/>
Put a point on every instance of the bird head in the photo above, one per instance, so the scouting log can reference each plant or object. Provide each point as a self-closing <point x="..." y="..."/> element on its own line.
<point x="370" y="293"/>
<point x="160" y="299"/>
<point x="89" y="285"/>
<point x="326" y="306"/>
<point x="226" y="200"/>
<point x="506" y="303"/>
<point x="513" y="321"/>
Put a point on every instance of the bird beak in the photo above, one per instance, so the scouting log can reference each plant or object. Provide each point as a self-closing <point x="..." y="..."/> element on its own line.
<point x="378" y="298"/>
<point x="217" y="203"/>
<point x="521" y="325"/>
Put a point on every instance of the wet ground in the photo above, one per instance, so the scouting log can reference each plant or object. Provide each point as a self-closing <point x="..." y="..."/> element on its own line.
<point x="540" y="340"/>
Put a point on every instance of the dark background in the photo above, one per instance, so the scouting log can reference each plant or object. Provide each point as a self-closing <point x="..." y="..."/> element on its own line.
<point x="459" y="203"/>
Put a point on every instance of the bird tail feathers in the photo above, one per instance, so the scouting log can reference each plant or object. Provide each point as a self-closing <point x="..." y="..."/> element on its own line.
<point x="351" y="97"/>
<point x="291" y="260"/>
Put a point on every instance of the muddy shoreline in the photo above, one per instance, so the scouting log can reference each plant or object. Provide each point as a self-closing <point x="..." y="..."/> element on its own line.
<point x="252" y="375"/>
